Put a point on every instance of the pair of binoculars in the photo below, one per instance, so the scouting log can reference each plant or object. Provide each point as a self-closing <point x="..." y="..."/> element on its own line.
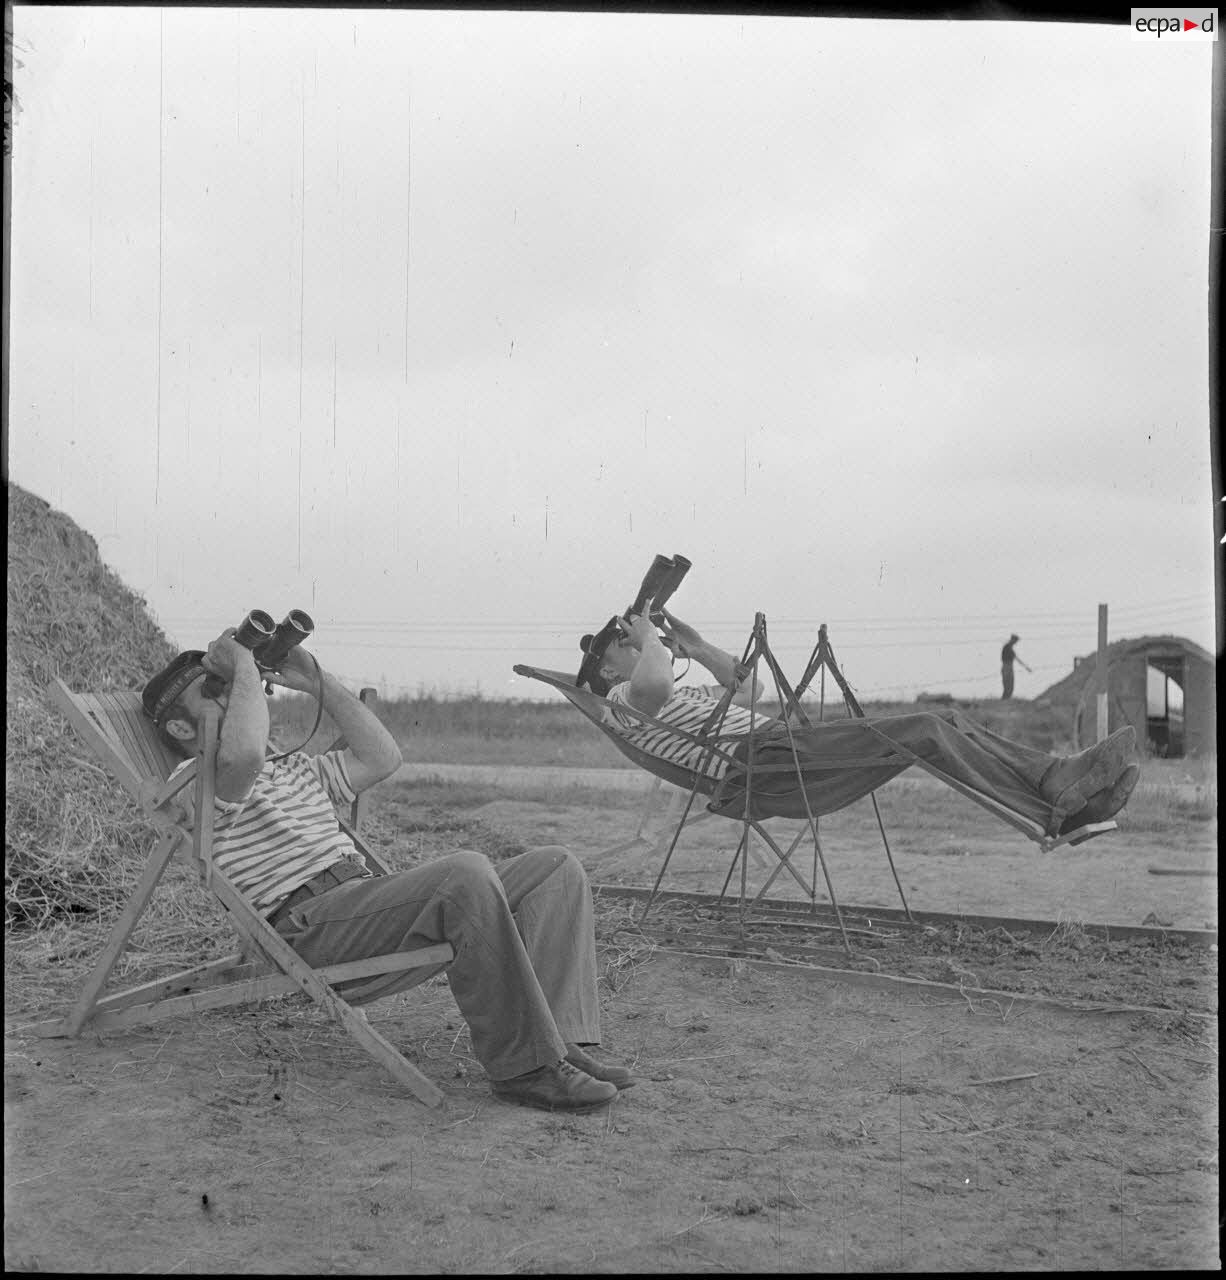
<point x="658" y="585"/>
<point x="270" y="641"/>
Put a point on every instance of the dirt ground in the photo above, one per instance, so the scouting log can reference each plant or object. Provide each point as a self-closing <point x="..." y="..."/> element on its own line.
<point x="781" y="1122"/>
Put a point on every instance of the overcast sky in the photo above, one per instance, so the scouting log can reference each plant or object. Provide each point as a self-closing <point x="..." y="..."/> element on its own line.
<point x="440" y="325"/>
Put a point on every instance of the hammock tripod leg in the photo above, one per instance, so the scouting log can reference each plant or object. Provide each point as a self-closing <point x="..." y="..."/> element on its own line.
<point x="822" y="659"/>
<point x="723" y="889"/>
<point x="764" y="861"/>
<point x="889" y="856"/>
<point x="655" y="888"/>
<point x="784" y="861"/>
<point x="744" y="875"/>
<point x="789" y="702"/>
<point x="757" y="647"/>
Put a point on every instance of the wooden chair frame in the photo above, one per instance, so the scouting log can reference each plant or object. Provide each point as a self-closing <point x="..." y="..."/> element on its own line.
<point x="114" y="727"/>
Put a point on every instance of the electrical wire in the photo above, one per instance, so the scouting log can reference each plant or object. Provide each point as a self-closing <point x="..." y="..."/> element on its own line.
<point x="1174" y="609"/>
<point x="924" y="632"/>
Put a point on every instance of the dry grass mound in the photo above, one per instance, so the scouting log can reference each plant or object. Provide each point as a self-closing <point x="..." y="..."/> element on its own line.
<point x="73" y="843"/>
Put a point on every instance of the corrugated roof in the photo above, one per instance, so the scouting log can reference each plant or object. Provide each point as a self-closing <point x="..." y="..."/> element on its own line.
<point x="1068" y="689"/>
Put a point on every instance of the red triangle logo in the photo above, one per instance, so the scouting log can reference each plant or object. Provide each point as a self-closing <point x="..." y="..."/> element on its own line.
<point x="1189" y="25"/>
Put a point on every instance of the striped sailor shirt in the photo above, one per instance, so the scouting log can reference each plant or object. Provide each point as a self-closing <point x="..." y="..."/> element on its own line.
<point x="687" y="710"/>
<point x="285" y="831"/>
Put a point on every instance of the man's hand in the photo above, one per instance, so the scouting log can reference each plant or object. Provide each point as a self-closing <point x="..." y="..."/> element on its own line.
<point x="639" y="629"/>
<point x="723" y="666"/>
<point x="299" y="671"/>
<point x="683" y="636"/>
<point x="225" y="656"/>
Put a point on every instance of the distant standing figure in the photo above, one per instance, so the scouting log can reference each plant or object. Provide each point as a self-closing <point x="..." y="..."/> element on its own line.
<point x="1007" y="658"/>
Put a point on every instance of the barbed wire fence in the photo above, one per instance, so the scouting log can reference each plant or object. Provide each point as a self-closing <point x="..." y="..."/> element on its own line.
<point x="533" y="638"/>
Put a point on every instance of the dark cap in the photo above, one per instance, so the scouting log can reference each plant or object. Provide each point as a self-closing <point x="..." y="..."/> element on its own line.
<point x="594" y="647"/>
<point x="162" y="692"/>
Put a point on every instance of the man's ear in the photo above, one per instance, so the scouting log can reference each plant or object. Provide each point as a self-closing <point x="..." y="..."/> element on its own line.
<point x="181" y="730"/>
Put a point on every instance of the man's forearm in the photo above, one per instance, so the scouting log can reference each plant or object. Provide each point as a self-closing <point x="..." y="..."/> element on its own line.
<point x="728" y="671"/>
<point x="244" y="734"/>
<point x="370" y="743"/>
<point x="651" y="685"/>
<point x="244" y="731"/>
<point x="723" y="666"/>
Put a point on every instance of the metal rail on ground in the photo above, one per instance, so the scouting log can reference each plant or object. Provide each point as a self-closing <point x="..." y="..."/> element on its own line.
<point x="863" y="917"/>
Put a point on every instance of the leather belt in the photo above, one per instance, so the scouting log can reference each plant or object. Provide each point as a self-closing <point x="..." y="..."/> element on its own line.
<point x="327" y="879"/>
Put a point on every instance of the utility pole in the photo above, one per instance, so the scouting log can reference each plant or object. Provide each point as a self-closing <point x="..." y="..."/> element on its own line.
<point x="1100" y="674"/>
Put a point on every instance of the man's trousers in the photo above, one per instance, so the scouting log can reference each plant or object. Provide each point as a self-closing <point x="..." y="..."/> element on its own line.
<point x="524" y="974"/>
<point x="839" y="761"/>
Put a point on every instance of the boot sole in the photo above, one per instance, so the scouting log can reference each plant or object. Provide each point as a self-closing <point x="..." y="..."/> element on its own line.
<point x="1105" y="771"/>
<point x="1120" y="792"/>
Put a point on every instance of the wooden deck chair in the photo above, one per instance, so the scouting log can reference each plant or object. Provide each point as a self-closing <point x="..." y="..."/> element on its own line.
<point x="114" y="727"/>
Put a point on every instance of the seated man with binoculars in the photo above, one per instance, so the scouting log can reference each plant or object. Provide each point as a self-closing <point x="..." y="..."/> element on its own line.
<point x="838" y="761"/>
<point x="524" y="973"/>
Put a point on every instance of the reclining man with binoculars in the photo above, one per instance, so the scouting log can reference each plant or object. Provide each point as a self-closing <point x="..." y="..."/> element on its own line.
<point x="524" y="973"/>
<point x="631" y="665"/>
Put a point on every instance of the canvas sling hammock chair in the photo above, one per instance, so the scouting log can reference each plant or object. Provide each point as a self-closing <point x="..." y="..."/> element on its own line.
<point x="737" y="752"/>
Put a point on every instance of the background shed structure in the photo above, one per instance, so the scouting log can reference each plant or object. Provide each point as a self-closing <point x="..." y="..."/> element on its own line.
<point x="1164" y="686"/>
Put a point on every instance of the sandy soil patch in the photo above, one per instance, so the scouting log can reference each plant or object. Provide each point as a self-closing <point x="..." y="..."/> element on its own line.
<point x="778" y="1124"/>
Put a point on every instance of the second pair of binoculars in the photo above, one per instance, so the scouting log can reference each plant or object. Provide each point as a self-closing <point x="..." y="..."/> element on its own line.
<point x="270" y="641"/>
<point x="659" y="583"/>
